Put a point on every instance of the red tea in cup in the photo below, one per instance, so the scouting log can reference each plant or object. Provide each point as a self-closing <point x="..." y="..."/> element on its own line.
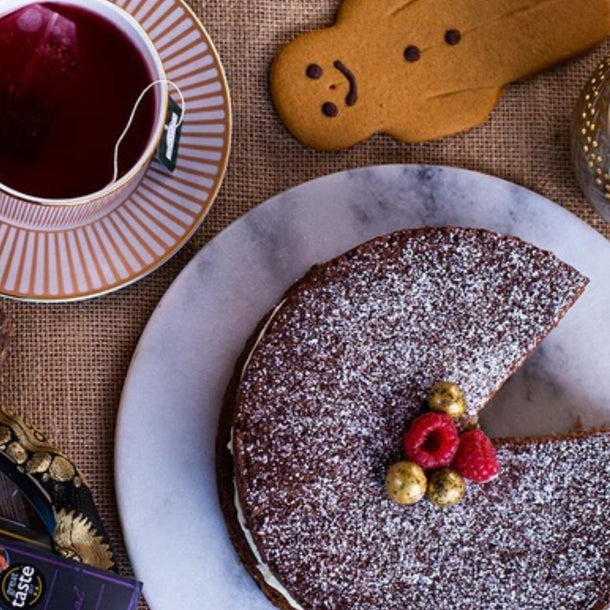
<point x="69" y="80"/>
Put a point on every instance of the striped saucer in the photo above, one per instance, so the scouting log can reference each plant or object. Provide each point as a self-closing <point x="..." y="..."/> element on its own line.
<point x="72" y="253"/>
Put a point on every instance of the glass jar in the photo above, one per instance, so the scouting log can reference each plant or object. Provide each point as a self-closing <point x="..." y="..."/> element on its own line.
<point x="590" y="140"/>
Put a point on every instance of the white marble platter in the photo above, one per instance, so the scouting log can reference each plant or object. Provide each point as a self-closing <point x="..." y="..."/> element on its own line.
<point x="166" y="430"/>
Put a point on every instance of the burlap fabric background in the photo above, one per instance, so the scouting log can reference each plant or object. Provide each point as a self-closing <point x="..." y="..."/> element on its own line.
<point x="67" y="367"/>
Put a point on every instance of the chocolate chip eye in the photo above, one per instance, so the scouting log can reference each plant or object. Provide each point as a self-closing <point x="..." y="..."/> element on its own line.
<point x="412" y="53"/>
<point x="313" y="71"/>
<point x="329" y="109"/>
<point x="452" y="37"/>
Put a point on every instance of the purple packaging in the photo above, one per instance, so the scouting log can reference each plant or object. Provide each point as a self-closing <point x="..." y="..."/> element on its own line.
<point x="31" y="577"/>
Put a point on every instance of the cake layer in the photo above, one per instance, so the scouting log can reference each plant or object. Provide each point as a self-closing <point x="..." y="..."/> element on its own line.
<point x="323" y="394"/>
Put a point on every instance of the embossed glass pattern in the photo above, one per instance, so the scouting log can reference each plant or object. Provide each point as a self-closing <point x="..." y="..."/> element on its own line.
<point x="591" y="140"/>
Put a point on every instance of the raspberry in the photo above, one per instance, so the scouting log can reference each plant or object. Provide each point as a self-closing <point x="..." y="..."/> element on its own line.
<point x="432" y="440"/>
<point x="476" y="457"/>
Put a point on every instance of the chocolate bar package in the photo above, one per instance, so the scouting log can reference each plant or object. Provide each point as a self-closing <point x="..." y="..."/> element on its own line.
<point x="31" y="577"/>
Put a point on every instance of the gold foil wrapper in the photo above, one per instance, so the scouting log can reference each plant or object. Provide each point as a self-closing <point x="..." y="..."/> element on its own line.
<point x="78" y="532"/>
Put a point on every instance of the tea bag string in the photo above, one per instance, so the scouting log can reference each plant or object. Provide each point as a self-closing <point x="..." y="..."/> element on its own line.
<point x="133" y="114"/>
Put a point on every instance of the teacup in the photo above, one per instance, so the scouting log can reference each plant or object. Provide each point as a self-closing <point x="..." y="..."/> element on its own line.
<point x="148" y="124"/>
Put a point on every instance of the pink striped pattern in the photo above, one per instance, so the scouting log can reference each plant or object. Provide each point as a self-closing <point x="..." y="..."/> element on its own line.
<point x="70" y="253"/>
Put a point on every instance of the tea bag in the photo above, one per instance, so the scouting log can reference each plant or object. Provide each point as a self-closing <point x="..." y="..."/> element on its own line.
<point x="51" y="43"/>
<point x="38" y="51"/>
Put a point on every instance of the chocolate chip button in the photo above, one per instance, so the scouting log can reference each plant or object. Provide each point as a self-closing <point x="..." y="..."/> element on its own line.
<point x="452" y="37"/>
<point x="313" y="71"/>
<point x="329" y="109"/>
<point x="412" y="53"/>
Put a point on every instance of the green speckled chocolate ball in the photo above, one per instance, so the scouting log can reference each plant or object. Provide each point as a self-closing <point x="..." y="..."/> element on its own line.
<point x="447" y="397"/>
<point x="406" y="482"/>
<point x="446" y="487"/>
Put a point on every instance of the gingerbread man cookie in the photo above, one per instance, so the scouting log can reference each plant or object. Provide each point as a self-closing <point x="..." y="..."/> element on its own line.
<point x="422" y="69"/>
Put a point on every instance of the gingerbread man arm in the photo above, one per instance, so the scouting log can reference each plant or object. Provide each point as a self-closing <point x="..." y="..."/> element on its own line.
<point x="361" y="9"/>
<point x="532" y="35"/>
<point x="451" y="111"/>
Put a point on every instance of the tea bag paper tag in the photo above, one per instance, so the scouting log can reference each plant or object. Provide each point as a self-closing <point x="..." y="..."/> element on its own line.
<point x="167" y="153"/>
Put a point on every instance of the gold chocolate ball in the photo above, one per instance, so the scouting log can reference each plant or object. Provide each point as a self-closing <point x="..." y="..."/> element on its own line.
<point x="446" y="487"/>
<point x="406" y="482"/>
<point x="447" y="397"/>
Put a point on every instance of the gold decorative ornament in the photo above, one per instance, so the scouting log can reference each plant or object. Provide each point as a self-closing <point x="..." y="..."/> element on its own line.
<point x="406" y="482"/>
<point x="5" y="435"/>
<point x="447" y="397"/>
<point x="39" y="463"/>
<point x="26" y="445"/>
<point x="446" y="487"/>
<point x="28" y="437"/>
<point x="78" y="534"/>
<point x="61" y="469"/>
<point x="75" y="537"/>
<point x="17" y="453"/>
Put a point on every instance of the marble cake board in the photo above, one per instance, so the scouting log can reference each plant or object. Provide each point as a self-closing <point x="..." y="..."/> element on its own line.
<point x="166" y="429"/>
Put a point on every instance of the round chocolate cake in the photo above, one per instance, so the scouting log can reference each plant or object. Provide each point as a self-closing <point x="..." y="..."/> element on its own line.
<point x="318" y="405"/>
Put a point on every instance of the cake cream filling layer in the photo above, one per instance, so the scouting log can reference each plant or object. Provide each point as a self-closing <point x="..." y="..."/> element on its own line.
<point x="261" y="566"/>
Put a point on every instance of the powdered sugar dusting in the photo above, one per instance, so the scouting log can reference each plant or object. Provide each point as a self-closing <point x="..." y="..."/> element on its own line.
<point x="340" y="371"/>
